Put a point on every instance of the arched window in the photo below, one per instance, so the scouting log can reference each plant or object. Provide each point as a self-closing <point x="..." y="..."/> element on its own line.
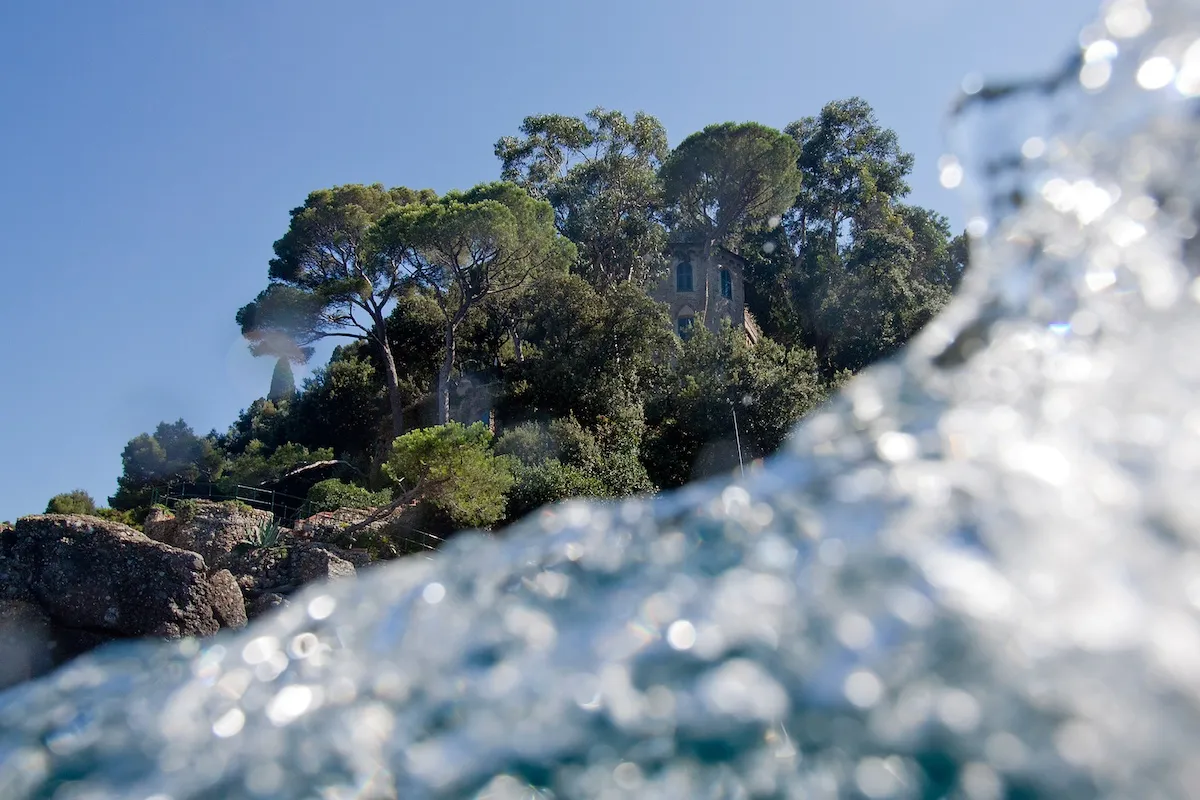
<point x="683" y="277"/>
<point x="726" y="284"/>
<point x="683" y="326"/>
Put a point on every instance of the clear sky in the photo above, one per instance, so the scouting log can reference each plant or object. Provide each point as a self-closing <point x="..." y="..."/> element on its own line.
<point x="150" y="152"/>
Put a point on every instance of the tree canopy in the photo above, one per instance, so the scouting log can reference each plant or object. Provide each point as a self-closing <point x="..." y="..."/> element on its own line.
<point x="467" y="246"/>
<point x="601" y="175"/>
<point x="500" y="348"/>
<point x="329" y="278"/>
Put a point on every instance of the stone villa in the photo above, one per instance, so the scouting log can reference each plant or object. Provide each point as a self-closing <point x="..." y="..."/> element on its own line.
<point x="683" y="290"/>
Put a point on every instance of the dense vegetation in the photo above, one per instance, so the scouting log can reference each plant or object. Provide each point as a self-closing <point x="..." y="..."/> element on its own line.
<point x="520" y="308"/>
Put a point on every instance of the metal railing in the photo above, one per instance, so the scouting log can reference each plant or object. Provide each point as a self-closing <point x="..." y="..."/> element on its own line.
<point x="285" y="508"/>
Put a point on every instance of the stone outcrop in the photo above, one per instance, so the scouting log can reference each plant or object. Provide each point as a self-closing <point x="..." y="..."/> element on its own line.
<point x="211" y="529"/>
<point x="279" y="571"/>
<point x="390" y="536"/>
<point x="84" y="572"/>
<point x="214" y="530"/>
<point x="70" y="583"/>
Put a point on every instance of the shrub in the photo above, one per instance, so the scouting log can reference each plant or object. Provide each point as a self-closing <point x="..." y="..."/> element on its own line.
<point x="456" y="469"/>
<point x="186" y="510"/>
<point x="123" y="517"/>
<point x="75" y="502"/>
<point x="548" y="482"/>
<point x="332" y="494"/>
<point x="528" y="442"/>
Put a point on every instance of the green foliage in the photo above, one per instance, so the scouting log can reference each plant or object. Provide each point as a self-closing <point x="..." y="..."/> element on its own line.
<point x="172" y="454"/>
<point x="563" y="459"/>
<point x="186" y="510"/>
<point x="264" y="421"/>
<point x="468" y="246"/>
<point x="283" y="382"/>
<point x="586" y="354"/>
<point x="123" y="517"/>
<point x="547" y="482"/>
<point x="454" y="467"/>
<point x="343" y="406"/>
<point x="600" y="174"/>
<point x="255" y="466"/>
<point x="264" y="535"/>
<point x="690" y="415"/>
<point x="328" y="267"/>
<point x="332" y="494"/>
<point x="728" y="177"/>
<point x="73" y="502"/>
<point x="852" y="272"/>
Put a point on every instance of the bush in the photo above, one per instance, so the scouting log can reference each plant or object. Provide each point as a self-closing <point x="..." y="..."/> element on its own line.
<point x="76" y="502"/>
<point x="529" y="443"/>
<point x="456" y="470"/>
<point x="123" y="517"/>
<point x="548" y="482"/>
<point x="332" y="494"/>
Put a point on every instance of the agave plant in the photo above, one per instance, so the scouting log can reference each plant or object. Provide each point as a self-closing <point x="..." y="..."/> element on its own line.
<point x="266" y="534"/>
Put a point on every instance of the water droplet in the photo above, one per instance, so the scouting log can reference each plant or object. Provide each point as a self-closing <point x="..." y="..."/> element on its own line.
<point x="681" y="635"/>
<point x="1156" y="73"/>
<point x="863" y="688"/>
<point x="433" y="593"/>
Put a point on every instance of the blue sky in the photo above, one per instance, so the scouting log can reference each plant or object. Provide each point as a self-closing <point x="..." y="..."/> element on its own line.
<point x="150" y="152"/>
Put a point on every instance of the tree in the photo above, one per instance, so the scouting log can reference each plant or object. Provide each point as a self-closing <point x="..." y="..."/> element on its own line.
<point x="283" y="382"/>
<point x="342" y="406"/>
<point x="601" y="176"/>
<point x="690" y="413"/>
<point x="172" y="453"/>
<point x="73" y="502"/>
<point x="851" y="272"/>
<point x="468" y="246"/>
<point x="455" y="470"/>
<point x="728" y="177"/>
<point x="849" y="163"/>
<point x="328" y="278"/>
<point x="588" y="353"/>
<point x="257" y="465"/>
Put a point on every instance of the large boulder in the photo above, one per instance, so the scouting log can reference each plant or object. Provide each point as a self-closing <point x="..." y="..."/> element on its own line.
<point x="281" y="570"/>
<point x="90" y="574"/>
<point x="211" y="529"/>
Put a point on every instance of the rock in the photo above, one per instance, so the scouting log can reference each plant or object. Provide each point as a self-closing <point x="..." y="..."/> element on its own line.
<point x="283" y="569"/>
<point x="313" y="563"/>
<point x="327" y="526"/>
<point x="211" y="529"/>
<point x="268" y="603"/>
<point x="399" y="533"/>
<point x="229" y="607"/>
<point x="104" y="577"/>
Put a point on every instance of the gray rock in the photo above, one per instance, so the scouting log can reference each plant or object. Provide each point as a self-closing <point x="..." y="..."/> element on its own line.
<point x="87" y="573"/>
<point x="211" y="529"/>
<point x="267" y="603"/>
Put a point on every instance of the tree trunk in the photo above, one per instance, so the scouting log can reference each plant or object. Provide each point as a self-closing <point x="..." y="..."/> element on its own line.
<point x="706" y="256"/>
<point x="392" y="378"/>
<point x="443" y="390"/>
<point x="517" y="345"/>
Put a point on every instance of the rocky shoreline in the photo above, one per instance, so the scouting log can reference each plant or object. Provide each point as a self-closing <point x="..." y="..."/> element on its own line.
<point x="70" y="583"/>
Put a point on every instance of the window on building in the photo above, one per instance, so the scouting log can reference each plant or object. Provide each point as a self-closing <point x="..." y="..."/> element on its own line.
<point x="726" y="285"/>
<point x="684" y="326"/>
<point x="683" y="277"/>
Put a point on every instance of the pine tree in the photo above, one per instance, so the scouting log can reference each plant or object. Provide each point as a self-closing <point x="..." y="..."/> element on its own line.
<point x="283" y="382"/>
